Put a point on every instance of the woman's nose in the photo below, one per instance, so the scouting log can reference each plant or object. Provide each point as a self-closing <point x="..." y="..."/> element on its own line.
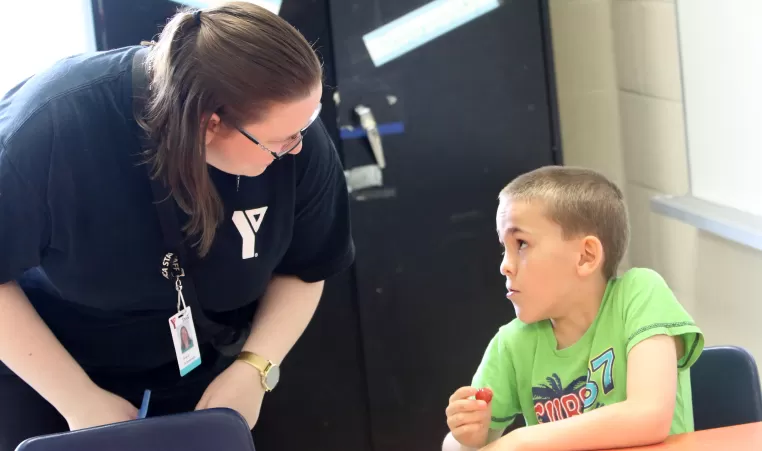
<point x="297" y="149"/>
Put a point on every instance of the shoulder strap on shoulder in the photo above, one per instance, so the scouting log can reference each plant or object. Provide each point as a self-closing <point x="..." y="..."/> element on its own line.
<point x="166" y="208"/>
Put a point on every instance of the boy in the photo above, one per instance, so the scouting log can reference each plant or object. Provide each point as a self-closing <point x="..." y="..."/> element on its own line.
<point x="584" y="341"/>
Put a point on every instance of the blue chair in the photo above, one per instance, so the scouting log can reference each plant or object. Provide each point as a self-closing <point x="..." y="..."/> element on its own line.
<point x="726" y="388"/>
<point x="205" y="430"/>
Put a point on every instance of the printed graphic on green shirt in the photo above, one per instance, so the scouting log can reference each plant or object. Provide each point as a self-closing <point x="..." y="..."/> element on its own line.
<point x="555" y="401"/>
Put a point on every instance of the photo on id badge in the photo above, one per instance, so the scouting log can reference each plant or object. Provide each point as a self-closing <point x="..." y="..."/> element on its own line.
<point x="184" y="337"/>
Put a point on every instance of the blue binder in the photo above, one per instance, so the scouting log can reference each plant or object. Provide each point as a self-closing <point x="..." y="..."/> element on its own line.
<point x="203" y="430"/>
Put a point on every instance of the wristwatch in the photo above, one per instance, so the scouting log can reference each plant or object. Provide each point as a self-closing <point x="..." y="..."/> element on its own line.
<point x="269" y="371"/>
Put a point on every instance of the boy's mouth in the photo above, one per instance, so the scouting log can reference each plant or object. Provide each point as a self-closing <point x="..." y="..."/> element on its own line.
<point x="511" y="293"/>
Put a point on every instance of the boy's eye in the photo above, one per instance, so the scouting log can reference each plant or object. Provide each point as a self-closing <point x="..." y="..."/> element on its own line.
<point x="522" y="244"/>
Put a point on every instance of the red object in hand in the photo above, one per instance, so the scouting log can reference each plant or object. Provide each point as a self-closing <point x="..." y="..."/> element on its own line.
<point x="484" y="394"/>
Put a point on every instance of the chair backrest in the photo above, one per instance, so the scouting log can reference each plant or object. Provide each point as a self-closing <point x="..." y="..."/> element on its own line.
<point x="204" y="430"/>
<point x="726" y="388"/>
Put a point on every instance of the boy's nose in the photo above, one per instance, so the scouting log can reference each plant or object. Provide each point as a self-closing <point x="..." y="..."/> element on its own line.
<point x="507" y="267"/>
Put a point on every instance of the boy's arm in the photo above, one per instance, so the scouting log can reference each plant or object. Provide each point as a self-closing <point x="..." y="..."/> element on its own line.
<point x="450" y="444"/>
<point x="644" y="418"/>
<point x="494" y="434"/>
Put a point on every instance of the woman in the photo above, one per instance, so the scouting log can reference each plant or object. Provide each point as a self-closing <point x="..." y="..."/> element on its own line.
<point x="185" y="340"/>
<point x="99" y="155"/>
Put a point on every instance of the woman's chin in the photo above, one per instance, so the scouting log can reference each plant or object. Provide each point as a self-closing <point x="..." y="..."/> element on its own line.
<point x="253" y="172"/>
<point x="243" y="171"/>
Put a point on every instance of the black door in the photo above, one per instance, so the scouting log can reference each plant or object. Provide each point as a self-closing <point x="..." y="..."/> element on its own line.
<point x="321" y="403"/>
<point x="459" y="117"/>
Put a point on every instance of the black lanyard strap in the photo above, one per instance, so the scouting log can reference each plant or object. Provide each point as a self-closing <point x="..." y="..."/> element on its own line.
<point x="166" y="207"/>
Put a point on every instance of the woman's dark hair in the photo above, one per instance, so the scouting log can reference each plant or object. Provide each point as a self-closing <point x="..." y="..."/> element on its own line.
<point x="235" y="59"/>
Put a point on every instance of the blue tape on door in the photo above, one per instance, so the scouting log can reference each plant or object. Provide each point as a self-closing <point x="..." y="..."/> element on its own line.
<point x="390" y="128"/>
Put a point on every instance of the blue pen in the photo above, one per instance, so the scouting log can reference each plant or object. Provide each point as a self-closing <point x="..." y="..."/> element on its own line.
<point x="144" y="406"/>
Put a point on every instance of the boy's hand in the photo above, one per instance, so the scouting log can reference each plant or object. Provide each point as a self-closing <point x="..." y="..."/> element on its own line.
<point x="468" y="419"/>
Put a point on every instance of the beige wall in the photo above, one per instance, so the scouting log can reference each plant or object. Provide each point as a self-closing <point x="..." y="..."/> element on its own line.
<point x="619" y="89"/>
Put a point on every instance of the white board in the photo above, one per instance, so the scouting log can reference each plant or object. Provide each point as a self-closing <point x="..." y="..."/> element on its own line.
<point x="721" y="55"/>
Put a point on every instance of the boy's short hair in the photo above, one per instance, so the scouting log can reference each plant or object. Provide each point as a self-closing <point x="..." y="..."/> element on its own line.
<point x="582" y="202"/>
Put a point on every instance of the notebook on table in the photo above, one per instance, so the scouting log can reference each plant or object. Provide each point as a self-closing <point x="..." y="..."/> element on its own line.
<point x="203" y="430"/>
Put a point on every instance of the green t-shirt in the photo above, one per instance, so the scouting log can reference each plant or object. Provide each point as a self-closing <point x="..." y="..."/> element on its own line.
<point x="531" y="377"/>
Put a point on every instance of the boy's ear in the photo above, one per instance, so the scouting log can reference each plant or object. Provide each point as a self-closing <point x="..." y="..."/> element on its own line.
<point x="591" y="256"/>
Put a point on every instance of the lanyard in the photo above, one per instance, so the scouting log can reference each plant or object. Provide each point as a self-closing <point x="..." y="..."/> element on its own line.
<point x="171" y="267"/>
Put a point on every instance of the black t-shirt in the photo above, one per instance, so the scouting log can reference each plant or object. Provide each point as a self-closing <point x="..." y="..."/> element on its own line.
<point x="80" y="232"/>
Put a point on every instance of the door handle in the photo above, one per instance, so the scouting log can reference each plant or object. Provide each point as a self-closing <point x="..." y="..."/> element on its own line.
<point x="368" y="123"/>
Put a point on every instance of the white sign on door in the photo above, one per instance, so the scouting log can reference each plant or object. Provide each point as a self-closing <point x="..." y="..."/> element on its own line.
<point x="421" y="26"/>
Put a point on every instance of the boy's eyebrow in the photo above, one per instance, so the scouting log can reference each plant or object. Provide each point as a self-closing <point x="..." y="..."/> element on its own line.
<point x="509" y="231"/>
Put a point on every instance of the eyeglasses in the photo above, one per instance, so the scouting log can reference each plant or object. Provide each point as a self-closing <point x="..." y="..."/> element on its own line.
<point x="288" y="146"/>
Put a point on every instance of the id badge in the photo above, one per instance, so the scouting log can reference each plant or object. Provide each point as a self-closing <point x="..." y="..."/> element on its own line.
<point x="186" y="344"/>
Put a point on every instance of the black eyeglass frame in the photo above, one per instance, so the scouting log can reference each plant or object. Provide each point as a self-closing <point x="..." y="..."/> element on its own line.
<point x="283" y="153"/>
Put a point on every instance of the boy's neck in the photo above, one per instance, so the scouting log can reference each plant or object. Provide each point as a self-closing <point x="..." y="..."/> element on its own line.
<point x="581" y="313"/>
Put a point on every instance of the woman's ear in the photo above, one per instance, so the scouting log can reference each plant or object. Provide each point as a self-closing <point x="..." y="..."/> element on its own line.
<point x="591" y="256"/>
<point x="213" y="127"/>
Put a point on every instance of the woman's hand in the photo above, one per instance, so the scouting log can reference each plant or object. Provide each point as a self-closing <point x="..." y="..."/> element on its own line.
<point x="99" y="407"/>
<point x="238" y="388"/>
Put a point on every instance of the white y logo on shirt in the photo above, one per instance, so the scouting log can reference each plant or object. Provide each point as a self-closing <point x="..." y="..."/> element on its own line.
<point x="248" y="222"/>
